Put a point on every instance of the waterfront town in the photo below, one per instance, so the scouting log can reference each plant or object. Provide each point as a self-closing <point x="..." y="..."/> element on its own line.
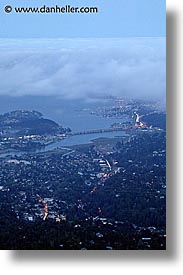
<point x="109" y="194"/>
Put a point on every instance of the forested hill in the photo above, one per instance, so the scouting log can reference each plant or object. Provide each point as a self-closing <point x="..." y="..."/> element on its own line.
<point x="28" y="122"/>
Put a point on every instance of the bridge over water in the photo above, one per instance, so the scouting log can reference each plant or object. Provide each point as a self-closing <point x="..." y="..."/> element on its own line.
<point x="97" y="131"/>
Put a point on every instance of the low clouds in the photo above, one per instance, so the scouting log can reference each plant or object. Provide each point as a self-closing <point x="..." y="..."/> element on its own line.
<point x="89" y="68"/>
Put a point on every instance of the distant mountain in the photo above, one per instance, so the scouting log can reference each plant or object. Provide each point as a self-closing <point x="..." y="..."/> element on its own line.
<point x="28" y="122"/>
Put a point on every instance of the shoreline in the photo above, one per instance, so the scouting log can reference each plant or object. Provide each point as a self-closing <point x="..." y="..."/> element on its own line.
<point x="101" y="140"/>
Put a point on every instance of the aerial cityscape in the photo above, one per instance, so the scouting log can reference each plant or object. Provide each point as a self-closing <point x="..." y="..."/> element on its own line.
<point x="83" y="127"/>
<point x="87" y="188"/>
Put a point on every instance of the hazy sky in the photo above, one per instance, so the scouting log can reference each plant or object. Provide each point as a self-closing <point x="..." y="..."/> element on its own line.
<point x="116" y="18"/>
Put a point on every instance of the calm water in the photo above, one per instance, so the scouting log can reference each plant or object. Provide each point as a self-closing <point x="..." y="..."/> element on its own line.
<point x="84" y="139"/>
<point x="70" y="141"/>
<point x="68" y="113"/>
<point x="74" y="114"/>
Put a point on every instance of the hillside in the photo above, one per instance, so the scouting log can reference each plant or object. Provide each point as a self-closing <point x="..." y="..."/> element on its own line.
<point x="28" y="122"/>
